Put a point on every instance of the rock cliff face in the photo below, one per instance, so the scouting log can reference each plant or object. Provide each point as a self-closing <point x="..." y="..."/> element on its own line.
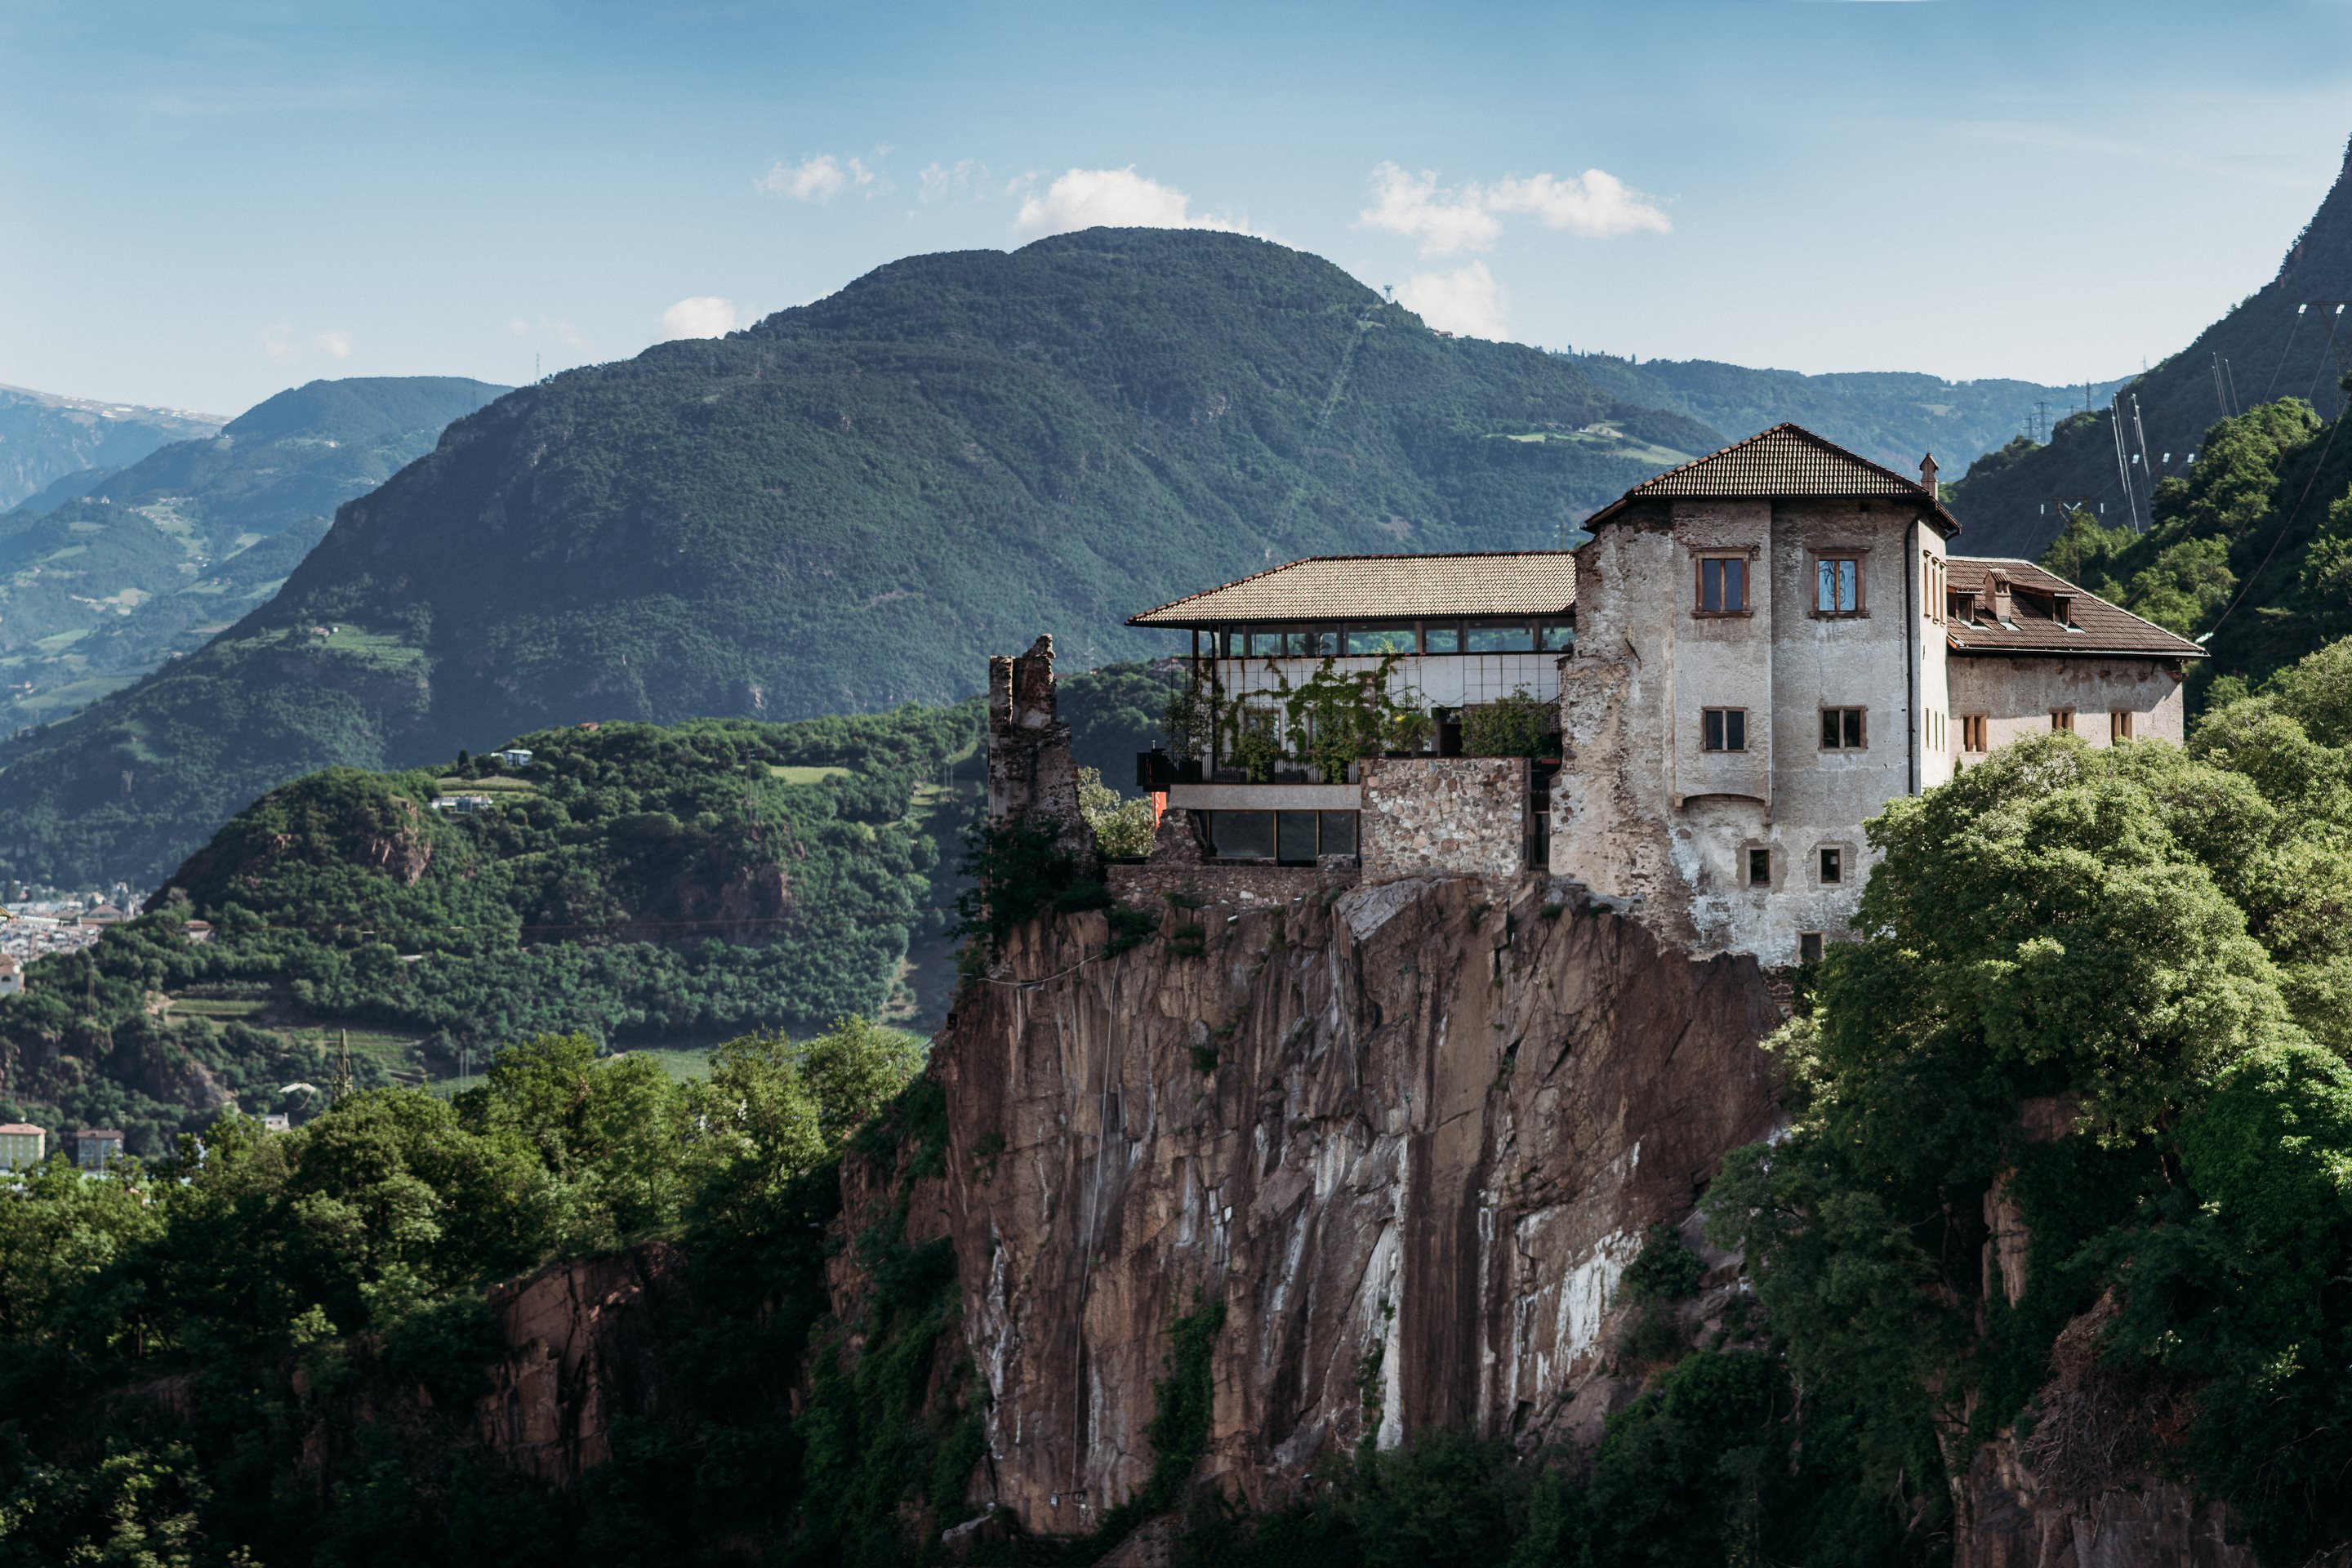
<point x="1409" y="1135"/>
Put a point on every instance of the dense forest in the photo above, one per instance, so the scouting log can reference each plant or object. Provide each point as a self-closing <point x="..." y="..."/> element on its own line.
<point x="650" y="887"/>
<point x="110" y="572"/>
<point x="847" y="507"/>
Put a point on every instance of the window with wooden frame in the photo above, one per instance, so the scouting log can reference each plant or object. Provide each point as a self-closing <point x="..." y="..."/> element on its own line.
<point x="1723" y="583"/>
<point x="1844" y="729"/>
<point x="1972" y="731"/>
<point x="2119" y="724"/>
<point x="1723" y="729"/>
<point x="1934" y="581"/>
<point x="2062" y="720"/>
<point x="1837" y="582"/>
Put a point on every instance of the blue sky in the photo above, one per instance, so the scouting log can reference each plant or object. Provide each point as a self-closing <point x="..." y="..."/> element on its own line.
<point x="201" y="204"/>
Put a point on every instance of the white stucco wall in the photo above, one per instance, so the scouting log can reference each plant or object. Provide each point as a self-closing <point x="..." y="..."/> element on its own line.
<point x="2016" y="695"/>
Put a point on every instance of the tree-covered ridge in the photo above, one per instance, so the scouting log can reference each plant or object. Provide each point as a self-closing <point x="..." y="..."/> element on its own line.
<point x="647" y="886"/>
<point x="850" y="506"/>
<point x="147" y="560"/>
<point x="2251" y="549"/>
<point x="1891" y="418"/>
<point x="267" y="1348"/>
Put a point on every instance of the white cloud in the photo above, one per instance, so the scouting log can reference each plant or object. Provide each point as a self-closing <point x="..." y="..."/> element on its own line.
<point x="703" y="316"/>
<point x="1444" y="221"/>
<point x="963" y="179"/>
<point x="1465" y="300"/>
<point x="279" y="340"/>
<point x="1117" y="198"/>
<point x="1596" y="204"/>
<point x="1448" y="221"/>
<point x="817" y="179"/>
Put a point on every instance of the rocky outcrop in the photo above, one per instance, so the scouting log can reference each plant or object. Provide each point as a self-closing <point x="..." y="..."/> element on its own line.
<point x="1409" y="1134"/>
<point x="582" y="1340"/>
<point x="2078" y="1491"/>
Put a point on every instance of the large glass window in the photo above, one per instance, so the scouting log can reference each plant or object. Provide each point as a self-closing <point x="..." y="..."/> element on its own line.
<point x="1376" y="640"/>
<point x="1241" y="835"/>
<point x="1446" y="638"/>
<point x="1291" y="837"/>
<point x="1275" y="645"/>
<point x="1520" y="639"/>
<point x="1557" y="636"/>
<point x="1339" y="833"/>
<point x="1318" y="644"/>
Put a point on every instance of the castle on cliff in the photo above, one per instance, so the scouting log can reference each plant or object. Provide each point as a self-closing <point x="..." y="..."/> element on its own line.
<point x="1693" y="713"/>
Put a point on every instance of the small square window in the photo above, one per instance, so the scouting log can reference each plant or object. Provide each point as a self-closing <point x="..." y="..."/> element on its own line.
<point x="1841" y="729"/>
<point x="1723" y="729"/>
<point x="1723" y="584"/>
<point x="1832" y="863"/>
<point x="2062" y="720"/>
<point x="1760" y="868"/>
<point x="1809" y="947"/>
<point x="1837" y="584"/>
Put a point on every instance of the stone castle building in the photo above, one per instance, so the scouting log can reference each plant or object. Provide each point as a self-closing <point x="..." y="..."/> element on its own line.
<point x="1752" y="653"/>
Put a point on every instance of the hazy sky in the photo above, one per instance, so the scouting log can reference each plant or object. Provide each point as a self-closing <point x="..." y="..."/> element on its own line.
<point x="200" y="204"/>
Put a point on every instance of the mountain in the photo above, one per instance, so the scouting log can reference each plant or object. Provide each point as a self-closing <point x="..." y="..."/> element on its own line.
<point x="45" y="438"/>
<point x="109" y="573"/>
<point x="2269" y="346"/>
<point x="848" y="506"/>
<point x="1891" y="417"/>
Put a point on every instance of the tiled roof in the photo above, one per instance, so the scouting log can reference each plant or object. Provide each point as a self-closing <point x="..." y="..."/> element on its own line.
<point x="1384" y="587"/>
<point x="1786" y="462"/>
<point x="2097" y="627"/>
<point x="26" y="1128"/>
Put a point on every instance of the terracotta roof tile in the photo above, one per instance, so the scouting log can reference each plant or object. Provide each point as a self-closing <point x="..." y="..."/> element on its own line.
<point x="2096" y="627"/>
<point x="1384" y="587"/>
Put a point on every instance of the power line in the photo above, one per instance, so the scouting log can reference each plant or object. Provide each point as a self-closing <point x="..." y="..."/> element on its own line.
<point x="2288" y="349"/>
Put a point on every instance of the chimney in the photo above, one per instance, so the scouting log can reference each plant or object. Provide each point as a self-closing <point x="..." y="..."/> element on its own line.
<point x="1928" y="474"/>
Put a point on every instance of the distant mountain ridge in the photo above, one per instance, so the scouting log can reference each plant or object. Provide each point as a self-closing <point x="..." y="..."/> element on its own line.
<point x="98" y="589"/>
<point x="846" y="507"/>
<point x="1891" y="418"/>
<point x="46" y="437"/>
<point x="2268" y="345"/>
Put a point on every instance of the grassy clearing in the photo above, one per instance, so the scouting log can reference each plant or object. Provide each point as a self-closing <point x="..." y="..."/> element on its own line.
<point x="682" y="1065"/>
<point x="218" y="1006"/>
<point x="793" y="772"/>
<point x="494" y="784"/>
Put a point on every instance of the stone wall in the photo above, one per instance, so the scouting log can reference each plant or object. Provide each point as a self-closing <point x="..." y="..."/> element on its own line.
<point x="1445" y="817"/>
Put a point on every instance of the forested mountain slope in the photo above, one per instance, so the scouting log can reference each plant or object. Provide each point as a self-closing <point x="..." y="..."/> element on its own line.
<point x="2271" y="346"/>
<point x="647" y="886"/>
<point x="848" y="506"/>
<point x="1889" y="417"/>
<point x="97" y="589"/>
<point x="45" y="438"/>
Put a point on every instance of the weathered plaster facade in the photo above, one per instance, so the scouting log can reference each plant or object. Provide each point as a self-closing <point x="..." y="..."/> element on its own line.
<point x="1644" y="808"/>
<point x="2017" y="694"/>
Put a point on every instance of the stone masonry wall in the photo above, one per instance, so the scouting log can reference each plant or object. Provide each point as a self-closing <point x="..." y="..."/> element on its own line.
<point x="1445" y="817"/>
<point x="1032" y="775"/>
